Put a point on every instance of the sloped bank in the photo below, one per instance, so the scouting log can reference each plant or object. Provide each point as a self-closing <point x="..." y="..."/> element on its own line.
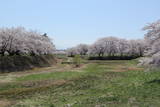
<point x="20" y="63"/>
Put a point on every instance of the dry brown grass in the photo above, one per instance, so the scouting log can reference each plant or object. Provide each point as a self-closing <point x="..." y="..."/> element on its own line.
<point x="10" y="77"/>
<point x="121" y="68"/>
<point x="41" y="83"/>
<point x="31" y="88"/>
<point x="5" y="103"/>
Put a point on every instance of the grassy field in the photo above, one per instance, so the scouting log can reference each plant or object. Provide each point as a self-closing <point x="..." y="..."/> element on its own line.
<point x="96" y="84"/>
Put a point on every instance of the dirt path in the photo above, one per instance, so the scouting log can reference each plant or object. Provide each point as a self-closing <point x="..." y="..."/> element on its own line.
<point x="10" y="77"/>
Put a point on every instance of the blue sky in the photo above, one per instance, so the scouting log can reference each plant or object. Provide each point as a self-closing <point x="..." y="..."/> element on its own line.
<point x="70" y="22"/>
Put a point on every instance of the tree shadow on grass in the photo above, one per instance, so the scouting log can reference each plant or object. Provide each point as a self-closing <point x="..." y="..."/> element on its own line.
<point x="154" y="81"/>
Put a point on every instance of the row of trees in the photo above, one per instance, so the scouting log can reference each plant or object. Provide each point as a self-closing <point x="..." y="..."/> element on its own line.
<point x="110" y="46"/>
<point x="81" y="49"/>
<point x="149" y="47"/>
<point x="17" y="41"/>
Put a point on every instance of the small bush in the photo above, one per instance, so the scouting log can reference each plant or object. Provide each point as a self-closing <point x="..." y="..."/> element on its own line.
<point x="77" y="60"/>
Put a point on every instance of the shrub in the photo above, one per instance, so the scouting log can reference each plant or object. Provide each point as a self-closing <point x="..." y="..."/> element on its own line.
<point x="77" y="60"/>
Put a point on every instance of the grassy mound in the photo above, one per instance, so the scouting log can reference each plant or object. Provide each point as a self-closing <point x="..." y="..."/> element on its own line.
<point x="20" y="63"/>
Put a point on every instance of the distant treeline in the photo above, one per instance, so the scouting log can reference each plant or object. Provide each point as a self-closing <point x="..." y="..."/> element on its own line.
<point x="110" y="48"/>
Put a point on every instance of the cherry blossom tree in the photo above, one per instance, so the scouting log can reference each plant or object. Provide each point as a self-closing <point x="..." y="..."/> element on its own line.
<point x="152" y="38"/>
<point x="71" y="51"/>
<point x="96" y="49"/>
<point x="111" y="46"/>
<point x="122" y="46"/>
<point x="16" y="41"/>
<point x="104" y="46"/>
<point x="82" y="49"/>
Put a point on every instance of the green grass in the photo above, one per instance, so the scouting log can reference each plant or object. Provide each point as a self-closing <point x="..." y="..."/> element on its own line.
<point x="44" y="76"/>
<point x="99" y="84"/>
